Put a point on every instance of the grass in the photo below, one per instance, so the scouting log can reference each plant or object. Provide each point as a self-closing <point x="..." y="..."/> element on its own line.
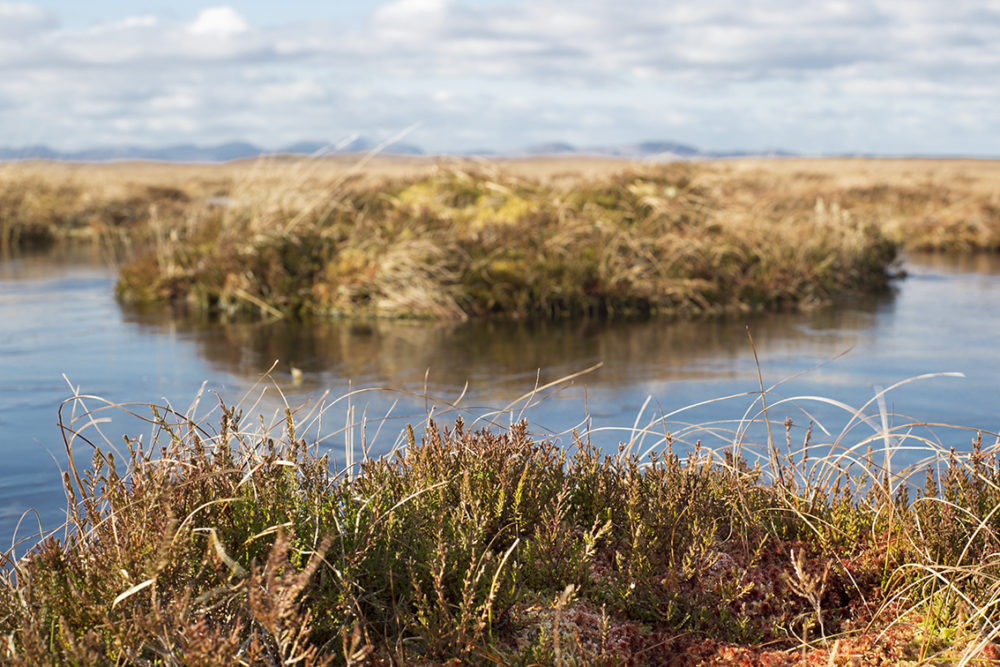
<point x="456" y="245"/>
<point x="518" y="239"/>
<point x="237" y="540"/>
<point x="42" y="204"/>
<point x="229" y="538"/>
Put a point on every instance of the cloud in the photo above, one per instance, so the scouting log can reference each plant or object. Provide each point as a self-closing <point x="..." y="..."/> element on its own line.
<point x="721" y="74"/>
<point x="410" y="20"/>
<point x="23" y="19"/>
<point x="219" y="21"/>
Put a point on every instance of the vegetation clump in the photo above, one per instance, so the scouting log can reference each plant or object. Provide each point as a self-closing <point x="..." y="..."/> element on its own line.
<point x="531" y="239"/>
<point x="247" y="546"/>
<point x="37" y="211"/>
<point x="458" y="245"/>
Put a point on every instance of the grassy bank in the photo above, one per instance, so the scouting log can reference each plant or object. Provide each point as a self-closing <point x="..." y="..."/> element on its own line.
<point x="529" y="239"/>
<point x="241" y="544"/>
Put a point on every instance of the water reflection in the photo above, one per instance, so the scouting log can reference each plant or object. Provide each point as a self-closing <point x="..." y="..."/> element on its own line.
<point x="924" y="263"/>
<point x="58" y="315"/>
<point x="504" y="359"/>
<point x="90" y="260"/>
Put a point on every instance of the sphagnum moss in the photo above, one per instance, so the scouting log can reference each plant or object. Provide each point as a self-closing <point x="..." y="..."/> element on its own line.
<point x="240" y="545"/>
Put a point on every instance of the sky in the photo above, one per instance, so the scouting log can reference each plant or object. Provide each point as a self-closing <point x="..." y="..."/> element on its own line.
<point x="892" y="77"/>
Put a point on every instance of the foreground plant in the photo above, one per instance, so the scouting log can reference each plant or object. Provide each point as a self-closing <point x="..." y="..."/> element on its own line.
<point x="245" y="545"/>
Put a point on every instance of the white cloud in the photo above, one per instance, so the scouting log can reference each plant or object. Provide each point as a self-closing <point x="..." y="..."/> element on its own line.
<point x="402" y="13"/>
<point x="20" y="19"/>
<point x="219" y="21"/>
<point x="721" y="74"/>
<point x="127" y="23"/>
<point x="176" y="100"/>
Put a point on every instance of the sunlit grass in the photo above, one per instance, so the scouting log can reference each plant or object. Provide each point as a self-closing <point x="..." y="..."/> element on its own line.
<point x="528" y="239"/>
<point x="233" y="537"/>
<point x="459" y="244"/>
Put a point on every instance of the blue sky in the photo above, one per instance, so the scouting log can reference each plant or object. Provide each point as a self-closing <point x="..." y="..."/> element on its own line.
<point x="827" y="76"/>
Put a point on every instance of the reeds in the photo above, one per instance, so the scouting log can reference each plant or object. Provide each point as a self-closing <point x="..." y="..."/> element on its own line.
<point x="243" y="543"/>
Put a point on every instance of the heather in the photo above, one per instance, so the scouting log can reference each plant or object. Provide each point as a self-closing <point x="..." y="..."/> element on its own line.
<point x="240" y="540"/>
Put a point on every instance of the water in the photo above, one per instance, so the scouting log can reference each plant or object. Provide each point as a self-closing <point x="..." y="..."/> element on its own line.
<point x="58" y="317"/>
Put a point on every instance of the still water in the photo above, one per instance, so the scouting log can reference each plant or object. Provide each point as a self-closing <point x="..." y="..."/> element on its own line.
<point x="61" y="328"/>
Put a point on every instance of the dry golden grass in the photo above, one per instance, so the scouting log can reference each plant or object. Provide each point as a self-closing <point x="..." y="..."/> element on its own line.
<point x="942" y="190"/>
<point x="546" y="237"/>
<point x="968" y="175"/>
<point x="922" y="204"/>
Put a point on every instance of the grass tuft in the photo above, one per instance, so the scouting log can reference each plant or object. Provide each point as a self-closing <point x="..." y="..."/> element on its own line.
<point x="457" y="244"/>
<point x="244" y="543"/>
<point x="514" y="239"/>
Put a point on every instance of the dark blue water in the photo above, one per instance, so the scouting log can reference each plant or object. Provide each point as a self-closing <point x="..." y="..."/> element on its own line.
<point x="58" y="317"/>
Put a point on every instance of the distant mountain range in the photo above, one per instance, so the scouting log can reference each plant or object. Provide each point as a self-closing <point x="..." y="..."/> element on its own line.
<point x="224" y="152"/>
<point x="235" y="150"/>
<point x="665" y="150"/>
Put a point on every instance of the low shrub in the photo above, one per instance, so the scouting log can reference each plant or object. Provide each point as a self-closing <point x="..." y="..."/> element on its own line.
<point x="246" y="545"/>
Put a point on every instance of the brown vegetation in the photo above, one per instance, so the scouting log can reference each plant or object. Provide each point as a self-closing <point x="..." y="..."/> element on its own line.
<point x="226" y="542"/>
<point x="535" y="238"/>
<point x="243" y="545"/>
